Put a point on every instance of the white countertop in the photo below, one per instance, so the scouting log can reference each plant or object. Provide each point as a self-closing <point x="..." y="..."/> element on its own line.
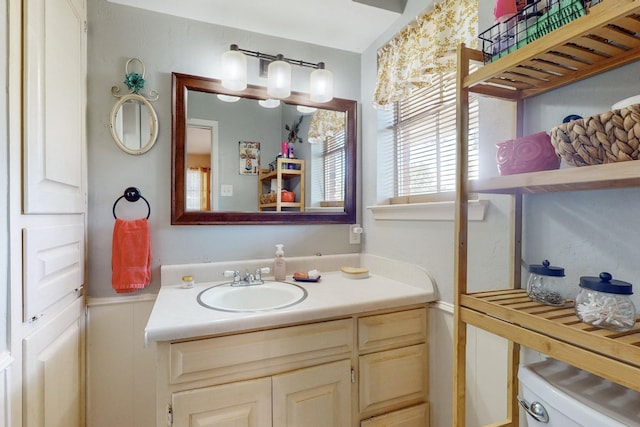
<point x="177" y="315"/>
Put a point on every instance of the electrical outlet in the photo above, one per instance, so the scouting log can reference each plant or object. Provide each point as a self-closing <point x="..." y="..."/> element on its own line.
<point x="355" y="231"/>
<point x="226" y="190"/>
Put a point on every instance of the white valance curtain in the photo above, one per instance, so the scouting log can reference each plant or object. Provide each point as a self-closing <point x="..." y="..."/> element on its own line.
<point x="424" y="48"/>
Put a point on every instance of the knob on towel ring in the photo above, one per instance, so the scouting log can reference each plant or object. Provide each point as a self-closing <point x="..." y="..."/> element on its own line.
<point x="131" y="194"/>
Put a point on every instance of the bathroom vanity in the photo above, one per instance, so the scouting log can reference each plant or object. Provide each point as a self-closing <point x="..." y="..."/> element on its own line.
<point x="353" y="353"/>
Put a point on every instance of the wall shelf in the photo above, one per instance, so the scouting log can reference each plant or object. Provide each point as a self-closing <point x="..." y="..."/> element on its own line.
<point x="611" y="175"/>
<point x="283" y="176"/>
<point x="605" y="38"/>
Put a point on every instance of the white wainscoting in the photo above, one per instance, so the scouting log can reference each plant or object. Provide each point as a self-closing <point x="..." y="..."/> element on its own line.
<point x="120" y="370"/>
<point x="5" y="403"/>
<point x="486" y="371"/>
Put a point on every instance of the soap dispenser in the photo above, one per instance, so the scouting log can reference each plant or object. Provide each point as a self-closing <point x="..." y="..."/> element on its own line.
<point x="279" y="265"/>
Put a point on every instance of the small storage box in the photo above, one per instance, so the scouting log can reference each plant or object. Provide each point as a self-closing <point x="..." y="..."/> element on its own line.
<point x="532" y="22"/>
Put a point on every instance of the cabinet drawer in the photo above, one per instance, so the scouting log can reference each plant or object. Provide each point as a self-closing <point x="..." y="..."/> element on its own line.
<point x="392" y="330"/>
<point x="259" y="353"/>
<point x="416" y="416"/>
<point x="393" y="377"/>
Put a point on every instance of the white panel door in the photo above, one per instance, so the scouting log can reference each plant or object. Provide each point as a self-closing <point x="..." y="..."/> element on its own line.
<point x="319" y="396"/>
<point x="53" y="381"/>
<point x="53" y="265"/>
<point x="241" y="404"/>
<point x="54" y="114"/>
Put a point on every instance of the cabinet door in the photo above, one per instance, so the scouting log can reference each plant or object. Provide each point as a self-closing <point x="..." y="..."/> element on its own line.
<point x="393" y="377"/>
<point x="53" y="265"/>
<point x="241" y="404"/>
<point x="53" y="382"/>
<point x="54" y="114"/>
<point x="313" y="397"/>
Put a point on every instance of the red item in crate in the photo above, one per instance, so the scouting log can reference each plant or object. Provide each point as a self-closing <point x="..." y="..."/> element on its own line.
<point x="530" y="153"/>
<point x="287" y="196"/>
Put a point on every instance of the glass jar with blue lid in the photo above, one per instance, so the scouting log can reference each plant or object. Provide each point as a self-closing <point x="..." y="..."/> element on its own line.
<point x="546" y="284"/>
<point x="606" y="303"/>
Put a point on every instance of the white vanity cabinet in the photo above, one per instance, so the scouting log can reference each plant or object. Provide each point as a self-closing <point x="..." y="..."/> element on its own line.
<point x="349" y="371"/>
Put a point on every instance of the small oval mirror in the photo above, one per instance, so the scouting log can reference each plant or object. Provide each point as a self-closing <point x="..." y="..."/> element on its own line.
<point x="134" y="124"/>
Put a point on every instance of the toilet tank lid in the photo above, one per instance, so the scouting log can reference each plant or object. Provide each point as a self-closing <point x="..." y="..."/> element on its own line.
<point x="550" y="379"/>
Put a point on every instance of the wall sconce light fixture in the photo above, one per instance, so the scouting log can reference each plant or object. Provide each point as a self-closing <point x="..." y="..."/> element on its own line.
<point x="234" y="74"/>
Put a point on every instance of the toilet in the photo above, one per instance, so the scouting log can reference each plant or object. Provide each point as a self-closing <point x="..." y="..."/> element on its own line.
<point x="571" y="397"/>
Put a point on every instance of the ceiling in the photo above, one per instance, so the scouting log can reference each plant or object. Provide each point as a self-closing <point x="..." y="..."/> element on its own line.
<point x="350" y="25"/>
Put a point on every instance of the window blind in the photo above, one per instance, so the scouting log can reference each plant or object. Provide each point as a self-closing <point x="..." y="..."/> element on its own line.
<point x="424" y="139"/>
<point x="333" y="155"/>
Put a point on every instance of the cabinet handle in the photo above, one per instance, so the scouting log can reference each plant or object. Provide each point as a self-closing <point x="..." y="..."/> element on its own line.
<point x="535" y="409"/>
<point x="36" y="318"/>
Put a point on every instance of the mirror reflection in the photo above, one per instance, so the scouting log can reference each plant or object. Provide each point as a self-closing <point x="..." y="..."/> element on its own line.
<point x="242" y="174"/>
<point x="134" y="124"/>
<point x="236" y="160"/>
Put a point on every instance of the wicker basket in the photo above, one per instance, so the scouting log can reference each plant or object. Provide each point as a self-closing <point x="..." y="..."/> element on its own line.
<point x="609" y="137"/>
<point x="285" y="197"/>
<point x="268" y="198"/>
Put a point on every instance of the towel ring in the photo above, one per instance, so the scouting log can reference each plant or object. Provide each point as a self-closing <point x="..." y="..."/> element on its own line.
<point x="131" y="194"/>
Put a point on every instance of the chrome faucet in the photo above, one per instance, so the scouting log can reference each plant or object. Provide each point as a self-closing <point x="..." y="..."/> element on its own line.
<point x="248" y="279"/>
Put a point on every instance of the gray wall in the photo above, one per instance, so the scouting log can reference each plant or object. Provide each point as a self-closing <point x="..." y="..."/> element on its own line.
<point x="243" y="120"/>
<point x="593" y="231"/>
<point x="166" y="44"/>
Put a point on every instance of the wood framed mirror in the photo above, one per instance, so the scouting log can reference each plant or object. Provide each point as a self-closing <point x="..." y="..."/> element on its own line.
<point x="216" y="182"/>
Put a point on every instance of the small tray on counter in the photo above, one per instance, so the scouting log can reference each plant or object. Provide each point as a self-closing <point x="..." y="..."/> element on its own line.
<point x="307" y="280"/>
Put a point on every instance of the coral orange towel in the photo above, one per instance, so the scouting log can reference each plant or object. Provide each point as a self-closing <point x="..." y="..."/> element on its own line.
<point x="130" y="255"/>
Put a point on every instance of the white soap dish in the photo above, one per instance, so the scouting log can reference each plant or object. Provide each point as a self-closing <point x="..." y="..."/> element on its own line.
<point x="355" y="272"/>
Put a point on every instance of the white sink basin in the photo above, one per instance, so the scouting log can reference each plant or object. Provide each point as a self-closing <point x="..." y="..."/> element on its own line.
<point x="267" y="296"/>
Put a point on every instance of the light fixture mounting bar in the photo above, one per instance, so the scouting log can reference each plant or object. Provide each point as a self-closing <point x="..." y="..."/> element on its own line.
<point x="269" y="57"/>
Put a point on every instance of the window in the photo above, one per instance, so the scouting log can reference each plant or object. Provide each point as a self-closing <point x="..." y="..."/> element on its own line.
<point x="197" y="189"/>
<point x="422" y="130"/>
<point x="333" y="156"/>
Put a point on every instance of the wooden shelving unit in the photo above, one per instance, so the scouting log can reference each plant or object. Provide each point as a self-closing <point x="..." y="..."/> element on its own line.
<point x="283" y="176"/>
<point x="605" y="38"/>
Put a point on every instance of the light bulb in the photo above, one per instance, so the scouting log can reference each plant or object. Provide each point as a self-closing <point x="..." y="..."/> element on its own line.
<point x="228" y="98"/>
<point x="269" y="103"/>
<point x="279" y="78"/>
<point x="321" y="84"/>
<point x="306" y="110"/>
<point x="234" y="69"/>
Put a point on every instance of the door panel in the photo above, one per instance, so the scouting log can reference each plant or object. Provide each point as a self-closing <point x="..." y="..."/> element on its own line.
<point x="53" y="383"/>
<point x="54" y="115"/>
<point x="313" y="397"/>
<point x="53" y="265"/>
